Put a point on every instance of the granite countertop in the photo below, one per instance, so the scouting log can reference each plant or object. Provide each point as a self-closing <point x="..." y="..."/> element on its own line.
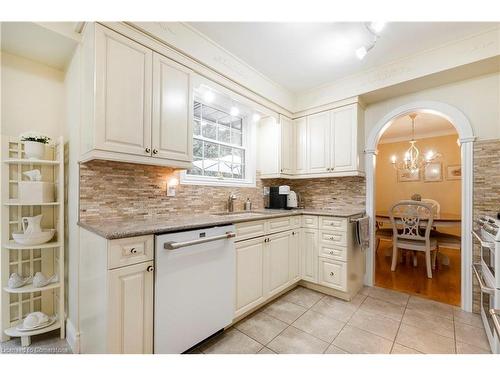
<point x="122" y="228"/>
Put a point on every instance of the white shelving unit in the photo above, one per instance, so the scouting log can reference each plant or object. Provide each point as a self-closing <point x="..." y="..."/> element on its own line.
<point x="48" y="258"/>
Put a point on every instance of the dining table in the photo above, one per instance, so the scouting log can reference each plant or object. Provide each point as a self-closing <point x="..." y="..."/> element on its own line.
<point x="441" y="219"/>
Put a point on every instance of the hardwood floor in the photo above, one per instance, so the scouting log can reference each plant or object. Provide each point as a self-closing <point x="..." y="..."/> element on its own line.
<point x="443" y="287"/>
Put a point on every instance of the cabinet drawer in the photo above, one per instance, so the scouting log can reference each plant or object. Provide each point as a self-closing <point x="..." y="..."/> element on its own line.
<point x="250" y="229"/>
<point x="309" y="221"/>
<point x="127" y="251"/>
<point x="280" y="224"/>
<point x="332" y="223"/>
<point x="333" y="237"/>
<point x="333" y="252"/>
<point x="295" y="221"/>
<point x="332" y="274"/>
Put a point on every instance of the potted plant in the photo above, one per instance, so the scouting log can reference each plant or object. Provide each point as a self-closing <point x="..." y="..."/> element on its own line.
<point x="34" y="144"/>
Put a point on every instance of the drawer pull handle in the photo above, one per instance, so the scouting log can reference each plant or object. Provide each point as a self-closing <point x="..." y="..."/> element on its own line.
<point x="147" y="150"/>
<point x="150" y="269"/>
<point x="133" y="250"/>
<point x="332" y="274"/>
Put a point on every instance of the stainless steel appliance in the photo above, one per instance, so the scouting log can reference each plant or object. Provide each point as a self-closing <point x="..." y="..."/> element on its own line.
<point x="487" y="272"/>
<point x="194" y="287"/>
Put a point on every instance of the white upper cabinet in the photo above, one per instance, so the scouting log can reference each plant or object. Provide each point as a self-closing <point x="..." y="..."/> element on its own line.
<point x="136" y="104"/>
<point x="268" y="147"/>
<point x="287" y="146"/>
<point x="318" y="142"/>
<point x="172" y="110"/>
<point x="343" y="154"/>
<point x="123" y="77"/>
<point x="301" y="159"/>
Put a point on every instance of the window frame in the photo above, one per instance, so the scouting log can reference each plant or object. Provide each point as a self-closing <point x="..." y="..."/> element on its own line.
<point x="247" y="144"/>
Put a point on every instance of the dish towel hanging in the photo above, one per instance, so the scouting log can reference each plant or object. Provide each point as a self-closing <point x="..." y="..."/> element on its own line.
<point x="363" y="232"/>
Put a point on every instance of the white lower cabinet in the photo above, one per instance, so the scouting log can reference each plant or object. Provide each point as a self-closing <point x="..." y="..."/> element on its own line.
<point x="265" y="266"/>
<point x="130" y="311"/>
<point x="250" y="290"/>
<point x="309" y="255"/>
<point x="332" y="273"/>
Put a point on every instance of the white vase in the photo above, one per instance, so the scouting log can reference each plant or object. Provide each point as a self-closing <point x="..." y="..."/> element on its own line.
<point x="34" y="150"/>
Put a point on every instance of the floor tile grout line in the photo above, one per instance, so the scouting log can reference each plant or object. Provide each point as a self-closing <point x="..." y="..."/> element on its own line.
<point x="399" y="327"/>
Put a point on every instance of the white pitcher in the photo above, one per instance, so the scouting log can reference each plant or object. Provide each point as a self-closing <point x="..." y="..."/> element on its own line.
<point x="32" y="224"/>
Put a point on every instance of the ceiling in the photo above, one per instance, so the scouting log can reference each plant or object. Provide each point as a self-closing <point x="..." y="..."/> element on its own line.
<point x="36" y="42"/>
<point x="301" y="56"/>
<point x="426" y="125"/>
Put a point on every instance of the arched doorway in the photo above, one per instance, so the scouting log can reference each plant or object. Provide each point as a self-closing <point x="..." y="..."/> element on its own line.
<point x="466" y="137"/>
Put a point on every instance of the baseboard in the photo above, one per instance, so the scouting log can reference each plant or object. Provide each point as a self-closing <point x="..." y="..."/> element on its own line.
<point x="72" y="337"/>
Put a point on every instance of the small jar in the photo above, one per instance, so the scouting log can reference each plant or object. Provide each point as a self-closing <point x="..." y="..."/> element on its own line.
<point x="248" y="205"/>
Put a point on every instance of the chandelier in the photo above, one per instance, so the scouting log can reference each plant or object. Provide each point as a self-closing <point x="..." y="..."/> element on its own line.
<point x="413" y="161"/>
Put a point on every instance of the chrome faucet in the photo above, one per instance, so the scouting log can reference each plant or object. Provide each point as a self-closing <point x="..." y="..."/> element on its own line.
<point x="230" y="202"/>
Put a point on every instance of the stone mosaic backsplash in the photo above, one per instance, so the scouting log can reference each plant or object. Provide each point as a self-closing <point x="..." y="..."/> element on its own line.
<point x="486" y="191"/>
<point x="117" y="190"/>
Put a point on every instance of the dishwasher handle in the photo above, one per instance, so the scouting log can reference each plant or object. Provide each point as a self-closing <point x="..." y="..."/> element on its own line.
<point x="172" y="245"/>
<point x="476" y="268"/>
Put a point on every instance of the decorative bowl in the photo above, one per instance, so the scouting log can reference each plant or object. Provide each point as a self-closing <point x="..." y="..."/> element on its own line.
<point x="34" y="238"/>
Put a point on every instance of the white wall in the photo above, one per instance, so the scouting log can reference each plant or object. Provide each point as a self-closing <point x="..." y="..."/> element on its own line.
<point x="478" y="98"/>
<point x="72" y="92"/>
<point x="32" y="97"/>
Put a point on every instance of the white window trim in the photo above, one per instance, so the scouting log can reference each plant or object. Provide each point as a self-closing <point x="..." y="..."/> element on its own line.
<point x="249" y="137"/>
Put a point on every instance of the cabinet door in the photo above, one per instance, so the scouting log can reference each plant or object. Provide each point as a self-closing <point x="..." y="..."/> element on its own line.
<point x="294" y="257"/>
<point x="300" y="126"/>
<point x="172" y="110"/>
<point x="130" y="312"/>
<point x="318" y="142"/>
<point x="268" y="147"/>
<point x="309" y="255"/>
<point x="250" y="290"/>
<point x="332" y="274"/>
<point x="123" y="94"/>
<point x="343" y="153"/>
<point x="278" y="259"/>
<point x="287" y="146"/>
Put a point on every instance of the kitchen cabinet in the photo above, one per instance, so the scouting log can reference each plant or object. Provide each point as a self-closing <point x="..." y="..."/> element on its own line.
<point x="301" y="156"/>
<point x="287" y="146"/>
<point x="343" y="153"/>
<point x="130" y="314"/>
<point x="136" y="104"/>
<point x="283" y="260"/>
<point x="309" y="255"/>
<point x="116" y="294"/>
<point x="250" y="291"/>
<point x="268" y="147"/>
<point x="123" y="77"/>
<point x="318" y="143"/>
<point x="172" y="110"/>
<point x="332" y="274"/>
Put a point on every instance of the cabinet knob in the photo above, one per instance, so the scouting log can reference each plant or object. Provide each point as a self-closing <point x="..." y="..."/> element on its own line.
<point x="148" y="150"/>
<point x="155" y="151"/>
<point x="331" y="252"/>
<point x="133" y="250"/>
<point x="332" y="274"/>
<point x="150" y="269"/>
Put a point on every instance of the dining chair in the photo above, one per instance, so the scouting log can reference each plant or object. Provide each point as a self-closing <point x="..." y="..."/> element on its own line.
<point x="382" y="234"/>
<point x="411" y="224"/>
<point x="436" y="207"/>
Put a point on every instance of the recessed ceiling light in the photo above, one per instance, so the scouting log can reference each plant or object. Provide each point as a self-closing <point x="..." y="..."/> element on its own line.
<point x="235" y="111"/>
<point x="377" y="26"/>
<point x="209" y="96"/>
<point x="256" y="117"/>
<point x="361" y="52"/>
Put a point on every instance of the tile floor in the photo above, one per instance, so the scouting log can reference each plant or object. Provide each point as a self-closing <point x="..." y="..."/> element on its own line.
<point x="48" y="343"/>
<point x="376" y="321"/>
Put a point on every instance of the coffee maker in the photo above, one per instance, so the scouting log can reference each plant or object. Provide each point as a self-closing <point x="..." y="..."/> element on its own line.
<point x="278" y="197"/>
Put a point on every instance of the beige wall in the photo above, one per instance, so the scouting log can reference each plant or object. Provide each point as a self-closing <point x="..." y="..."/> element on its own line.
<point x="446" y="192"/>
<point x="32" y="97"/>
<point x="478" y="98"/>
